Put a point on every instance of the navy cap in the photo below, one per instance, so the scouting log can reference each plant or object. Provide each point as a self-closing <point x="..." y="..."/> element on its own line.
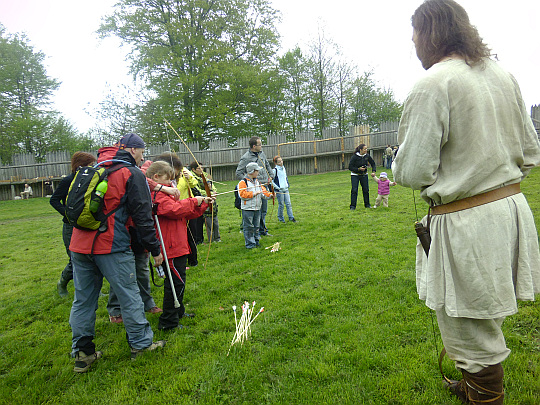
<point x="131" y="140"/>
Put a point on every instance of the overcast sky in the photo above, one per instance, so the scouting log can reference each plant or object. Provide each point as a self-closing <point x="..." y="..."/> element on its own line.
<point x="371" y="34"/>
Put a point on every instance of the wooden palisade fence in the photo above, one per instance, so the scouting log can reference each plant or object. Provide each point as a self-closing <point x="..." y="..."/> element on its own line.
<point x="307" y="154"/>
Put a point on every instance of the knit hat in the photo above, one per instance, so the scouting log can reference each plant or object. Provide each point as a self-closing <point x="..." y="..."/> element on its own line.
<point x="251" y="167"/>
<point x="131" y="140"/>
<point x="383" y="174"/>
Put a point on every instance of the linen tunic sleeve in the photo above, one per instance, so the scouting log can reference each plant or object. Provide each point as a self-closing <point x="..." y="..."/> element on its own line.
<point x="423" y="130"/>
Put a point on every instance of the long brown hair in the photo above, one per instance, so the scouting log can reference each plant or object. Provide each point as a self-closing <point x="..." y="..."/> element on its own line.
<point x="443" y="28"/>
<point x="172" y="159"/>
<point x="81" y="159"/>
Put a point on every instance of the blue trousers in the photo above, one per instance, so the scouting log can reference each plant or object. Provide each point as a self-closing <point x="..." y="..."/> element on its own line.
<point x="284" y="199"/>
<point x="88" y="273"/>
<point x="143" y="282"/>
<point x="250" y="225"/>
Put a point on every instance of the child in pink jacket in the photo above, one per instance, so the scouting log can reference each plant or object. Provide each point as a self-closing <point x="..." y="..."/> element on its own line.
<point x="384" y="189"/>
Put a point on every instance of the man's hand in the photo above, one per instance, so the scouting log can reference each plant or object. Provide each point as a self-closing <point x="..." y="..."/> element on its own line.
<point x="173" y="191"/>
<point x="158" y="260"/>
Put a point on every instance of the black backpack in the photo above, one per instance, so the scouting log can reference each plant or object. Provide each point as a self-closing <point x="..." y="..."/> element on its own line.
<point x="237" y="199"/>
<point x="84" y="208"/>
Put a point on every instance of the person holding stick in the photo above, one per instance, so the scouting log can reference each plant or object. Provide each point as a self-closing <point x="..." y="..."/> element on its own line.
<point x="252" y="194"/>
<point x="467" y="141"/>
<point x="171" y="225"/>
<point x="256" y="155"/>
<point x="106" y="253"/>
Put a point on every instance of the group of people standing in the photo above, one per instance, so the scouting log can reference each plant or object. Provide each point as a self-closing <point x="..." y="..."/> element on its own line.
<point x="123" y="246"/>
<point x="466" y="142"/>
<point x="258" y="184"/>
<point x="159" y="210"/>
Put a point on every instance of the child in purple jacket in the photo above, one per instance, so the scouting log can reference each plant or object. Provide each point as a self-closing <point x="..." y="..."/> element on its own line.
<point x="384" y="189"/>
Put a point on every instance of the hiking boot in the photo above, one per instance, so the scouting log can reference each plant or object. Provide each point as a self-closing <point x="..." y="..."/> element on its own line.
<point x="136" y="352"/>
<point x="155" y="310"/>
<point x="61" y="286"/>
<point x="116" y="319"/>
<point x="84" y="361"/>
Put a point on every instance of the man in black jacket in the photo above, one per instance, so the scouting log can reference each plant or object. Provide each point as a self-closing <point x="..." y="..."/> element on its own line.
<point x="358" y="167"/>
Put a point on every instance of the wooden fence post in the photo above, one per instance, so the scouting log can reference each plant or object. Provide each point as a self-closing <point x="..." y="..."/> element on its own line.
<point x="315" y="153"/>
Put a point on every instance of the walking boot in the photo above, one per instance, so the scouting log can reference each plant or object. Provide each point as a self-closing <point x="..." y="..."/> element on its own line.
<point x="61" y="287"/>
<point x="84" y="361"/>
<point x="486" y="386"/>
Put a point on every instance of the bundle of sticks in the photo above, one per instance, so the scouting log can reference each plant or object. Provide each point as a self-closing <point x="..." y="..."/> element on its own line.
<point x="243" y="327"/>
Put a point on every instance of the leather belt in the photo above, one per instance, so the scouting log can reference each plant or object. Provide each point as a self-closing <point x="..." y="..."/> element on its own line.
<point x="476" y="200"/>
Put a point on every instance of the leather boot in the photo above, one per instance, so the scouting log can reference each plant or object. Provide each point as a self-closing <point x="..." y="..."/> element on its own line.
<point x="457" y="388"/>
<point x="61" y="286"/>
<point x="486" y="386"/>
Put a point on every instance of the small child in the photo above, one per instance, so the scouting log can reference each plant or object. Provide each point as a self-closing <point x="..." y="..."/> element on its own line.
<point x="281" y="184"/>
<point x="252" y="192"/>
<point x="384" y="189"/>
<point x="173" y="215"/>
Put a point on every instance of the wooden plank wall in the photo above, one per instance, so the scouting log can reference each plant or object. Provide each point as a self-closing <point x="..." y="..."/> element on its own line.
<point x="301" y="157"/>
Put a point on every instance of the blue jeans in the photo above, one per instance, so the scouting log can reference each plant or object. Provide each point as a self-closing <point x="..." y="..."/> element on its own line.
<point x="364" y="182"/>
<point x="250" y="221"/>
<point x="262" y="212"/>
<point x="143" y="282"/>
<point x="284" y="198"/>
<point x="119" y="270"/>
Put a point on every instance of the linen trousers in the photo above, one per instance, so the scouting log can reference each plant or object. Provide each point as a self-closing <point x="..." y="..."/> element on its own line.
<point x="473" y="344"/>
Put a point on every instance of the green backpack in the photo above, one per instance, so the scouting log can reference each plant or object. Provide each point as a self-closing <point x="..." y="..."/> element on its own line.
<point x="84" y="201"/>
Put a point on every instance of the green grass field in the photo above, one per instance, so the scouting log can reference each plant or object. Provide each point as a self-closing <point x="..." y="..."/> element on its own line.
<point x="342" y="321"/>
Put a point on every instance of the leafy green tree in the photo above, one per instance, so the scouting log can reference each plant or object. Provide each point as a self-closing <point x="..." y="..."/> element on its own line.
<point x="371" y="105"/>
<point x="27" y="123"/>
<point x="200" y="60"/>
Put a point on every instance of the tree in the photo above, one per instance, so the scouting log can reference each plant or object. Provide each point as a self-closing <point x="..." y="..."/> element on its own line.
<point x="198" y="58"/>
<point x="371" y="105"/>
<point x="343" y="91"/>
<point x="26" y="122"/>
<point x="293" y="71"/>
<point x="116" y="115"/>
<point x="322" y="70"/>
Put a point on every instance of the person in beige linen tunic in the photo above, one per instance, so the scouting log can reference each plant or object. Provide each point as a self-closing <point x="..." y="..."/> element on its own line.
<point x="465" y="131"/>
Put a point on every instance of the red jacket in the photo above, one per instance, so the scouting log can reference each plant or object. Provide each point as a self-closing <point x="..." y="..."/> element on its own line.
<point x="127" y="191"/>
<point x="173" y="216"/>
